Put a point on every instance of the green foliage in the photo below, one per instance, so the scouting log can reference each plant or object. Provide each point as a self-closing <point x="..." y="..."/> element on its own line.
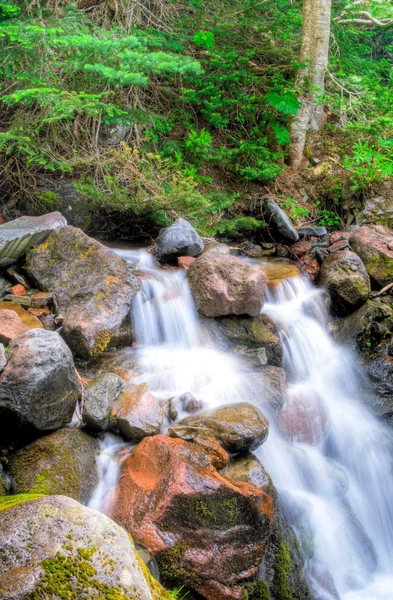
<point x="294" y="211"/>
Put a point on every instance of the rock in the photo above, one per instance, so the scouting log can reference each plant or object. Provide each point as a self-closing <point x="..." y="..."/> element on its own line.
<point x="53" y="547"/>
<point x="252" y="250"/>
<point x="306" y="231"/>
<point x="190" y="403"/>
<point x="206" y="531"/>
<point x="185" y="261"/>
<point x="248" y="335"/>
<point x="18" y="290"/>
<point x="224" y="285"/>
<point x="310" y="266"/>
<point x="338" y="236"/>
<point x="280" y="221"/>
<point x="3" y="358"/>
<point x="268" y="388"/>
<point x="17" y="236"/>
<point x="137" y="413"/>
<point x="346" y="278"/>
<point x="212" y="246"/>
<point x="41" y="299"/>
<point x="339" y="246"/>
<point x="299" y="249"/>
<point x="99" y="401"/>
<point x="249" y="469"/>
<point x="92" y="285"/>
<point x="10" y="326"/>
<point x="378" y="210"/>
<point x="64" y="197"/>
<point x="374" y="245"/>
<point x="38" y="387"/>
<point x="303" y="418"/>
<point x="238" y="427"/>
<point x="63" y="462"/>
<point x="21" y="300"/>
<point x="180" y="239"/>
<point x="27" y="319"/>
<point x="4" y="286"/>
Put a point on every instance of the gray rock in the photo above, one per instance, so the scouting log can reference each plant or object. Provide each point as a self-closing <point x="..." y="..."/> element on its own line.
<point x="3" y="359"/>
<point x="4" y="286"/>
<point x="307" y="231"/>
<point x="54" y="543"/>
<point x="17" y="236"/>
<point x="280" y="221"/>
<point x="137" y="413"/>
<point x="249" y="469"/>
<point x="180" y="239"/>
<point x="38" y="386"/>
<point x="68" y="200"/>
<point x="268" y="388"/>
<point x="100" y="397"/>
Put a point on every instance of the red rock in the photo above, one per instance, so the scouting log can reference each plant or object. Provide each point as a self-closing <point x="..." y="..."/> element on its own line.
<point x="339" y="246"/>
<point x="10" y="326"/>
<point x="310" y="265"/>
<point x="39" y="312"/>
<point x="207" y="532"/>
<point x="336" y="236"/>
<point x="18" y="290"/>
<point x="185" y="261"/>
<point x="300" y="248"/>
<point x="303" y="417"/>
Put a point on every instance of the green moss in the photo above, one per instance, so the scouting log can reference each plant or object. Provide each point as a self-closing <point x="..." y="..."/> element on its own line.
<point x="170" y="563"/>
<point x="214" y="512"/>
<point x="257" y="590"/>
<point x="282" y="569"/>
<point x="49" y="199"/>
<point x="102" y="343"/>
<point x="10" y="501"/>
<point x="157" y="591"/>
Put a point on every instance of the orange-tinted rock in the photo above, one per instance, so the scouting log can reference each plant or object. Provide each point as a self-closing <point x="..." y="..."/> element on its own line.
<point x="303" y="417"/>
<point x="18" y="290"/>
<point x="185" y="261"/>
<point x="310" y="265"/>
<point x="10" y="326"/>
<point x="40" y="312"/>
<point x="300" y="248"/>
<point x="208" y="532"/>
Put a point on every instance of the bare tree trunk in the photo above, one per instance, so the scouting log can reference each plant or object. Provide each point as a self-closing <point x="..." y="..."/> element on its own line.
<point x="310" y="78"/>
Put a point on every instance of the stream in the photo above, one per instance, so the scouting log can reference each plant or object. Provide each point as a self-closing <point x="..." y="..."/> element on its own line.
<point x="337" y="470"/>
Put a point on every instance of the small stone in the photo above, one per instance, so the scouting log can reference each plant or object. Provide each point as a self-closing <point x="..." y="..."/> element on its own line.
<point x="310" y="265"/>
<point x="39" y="312"/>
<point x="306" y="231"/>
<point x="336" y="236"/>
<point x="18" y="290"/>
<point x="41" y="299"/>
<point x="137" y="413"/>
<point x="300" y="248"/>
<point x="338" y="246"/>
<point x="180" y="239"/>
<point x="22" y="300"/>
<point x="252" y="250"/>
<point x="27" y="319"/>
<point x="10" y="326"/>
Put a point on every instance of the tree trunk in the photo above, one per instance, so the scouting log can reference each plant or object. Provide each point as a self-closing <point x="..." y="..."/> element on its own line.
<point x="310" y="78"/>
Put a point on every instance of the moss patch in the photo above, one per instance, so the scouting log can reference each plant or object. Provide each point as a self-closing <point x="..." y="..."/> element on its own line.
<point x="282" y="570"/>
<point x="157" y="591"/>
<point x="257" y="590"/>
<point x="10" y="501"/>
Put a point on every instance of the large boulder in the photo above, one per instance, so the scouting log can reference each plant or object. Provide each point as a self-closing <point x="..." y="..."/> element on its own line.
<point x="256" y="339"/>
<point x="344" y="275"/>
<point x="53" y="547"/>
<point x="225" y="285"/>
<point x="17" y="236"/>
<point x="92" y="285"/>
<point x="38" y="387"/>
<point x="374" y="245"/>
<point x="237" y="427"/>
<point x="180" y="239"/>
<point x="99" y="401"/>
<point x="63" y="462"/>
<point x="280" y="221"/>
<point x="207" y="532"/>
<point x="137" y="413"/>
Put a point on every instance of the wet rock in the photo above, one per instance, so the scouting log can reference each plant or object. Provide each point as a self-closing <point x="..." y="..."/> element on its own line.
<point x="63" y="463"/>
<point x="280" y="221"/>
<point x="310" y="265"/>
<point x="137" y="413"/>
<point x="346" y="278"/>
<point x="185" y="261"/>
<point x="306" y="231"/>
<point x="212" y="246"/>
<point x="224" y="285"/>
<point x="10" y="326"/>
<point x="374" y="245"/>
<point x="206" y="531"/>
<point x="3" y="358"/>
<point x="238" y="427"/>
<point x="17" y="236"/>
<point x="303" y="418"/>
<point x="252" y="250"/>
<point x="92" y="285"/>
<point x="268" y="387"/>
<point x="190" y="403"/>
<point x="41" y="299"/>
<point x="18" y="290"/>
<point x="55" y="547"/>
<point x="24" y="301"/>
<point x="255" y="333"/>
<point x="339" y="246"/>
<point x="249" y="469"/>
<point x="38" y="387"/>
<point x="99" y="400"/>
<point x="27" y="319"/>
<point x="180" y="239"/>
<point x="300" y="248"/>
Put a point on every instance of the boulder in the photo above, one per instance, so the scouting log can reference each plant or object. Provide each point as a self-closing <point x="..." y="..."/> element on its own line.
<point x="268" y="388"/>
<point x="249" y="469"/>
<point x="38" y="387"/>
<point x="63" y="462"/>
<point x="252" y="250"/>
<point x="238" y="427"/>
<point x="53" y="547"/>
<point x="92" y="285"/>
<point x="180" y="239"/>
<point x="346" y="278"/>
<point x="17" y="236"/>
<point x="207" y="532"/>
<point x="136" y="413"/>
<point x="248" y="336"/>
<point x="224" y="285"/>
<point x="10" y="326"/>
<point x="99" y="401"/>
<point x="280" y="221"/>
<point x="27" y="319"/>
<point x="374" y="245"/>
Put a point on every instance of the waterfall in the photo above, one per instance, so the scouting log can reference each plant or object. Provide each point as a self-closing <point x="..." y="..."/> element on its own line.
<point x="327" y="455"/>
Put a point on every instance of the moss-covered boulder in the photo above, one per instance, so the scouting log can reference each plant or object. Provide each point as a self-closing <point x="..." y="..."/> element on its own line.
<point x="207" y="532"/>
<point x="62" y="463"/>
<point x="374" y="245"/>
<point x="92" y="284"/>
<point x="256" y="339"/>
<point x="53" y="547"/>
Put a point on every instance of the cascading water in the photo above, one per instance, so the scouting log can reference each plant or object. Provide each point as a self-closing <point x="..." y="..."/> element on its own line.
<point x="333" y="464"/>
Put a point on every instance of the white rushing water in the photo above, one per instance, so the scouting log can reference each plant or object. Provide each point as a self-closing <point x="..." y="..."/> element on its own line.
<point x="335" y="469"/>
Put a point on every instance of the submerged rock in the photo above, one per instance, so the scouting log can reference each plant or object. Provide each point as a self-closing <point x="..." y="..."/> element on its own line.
<point x="53" y="547"/>
<point x="92" y="285"/>
<point x="207" y="532"/>
<point x="344" y="275"/>
<point x="303" y="418"/>
<point x="99" y="401"/>
<point x="137" y="413"/>
<point x="224" y="285"/>
<point x="268" y="387"/>
<point x="38" y="387"/>
<point x="180" y="239"/>
<point x="63" y="463"/>
<point x="374" y="245"/>
<point x="17" y="236"/>
<point x="238" y="427"/>
<point x="280" y="221"/>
